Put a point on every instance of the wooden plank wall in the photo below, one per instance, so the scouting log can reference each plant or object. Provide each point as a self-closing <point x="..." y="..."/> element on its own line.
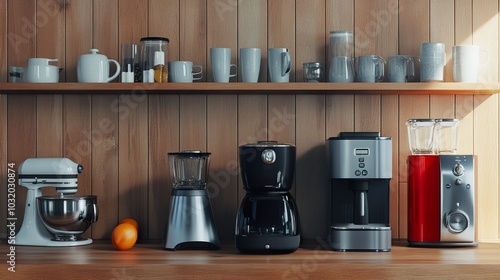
<point x="122" y="138"/>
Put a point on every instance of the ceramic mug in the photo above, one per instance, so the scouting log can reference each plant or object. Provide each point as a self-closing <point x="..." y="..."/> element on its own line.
<point x="401" y="68"/>
<point x="370" y="68"/>
<point x="40" y="71"/>
<point x="221" y="64"/>
<point x="182" y="72"/>
<point x="250" y="64"/>
<point x="466" y="62"/>
<point x="279" y="63"/>
<point x="432" y="62"/>
<point x="94" y="68"/>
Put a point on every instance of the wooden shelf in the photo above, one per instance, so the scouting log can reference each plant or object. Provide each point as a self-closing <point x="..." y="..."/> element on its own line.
<point x="267" y="88"/>
<point x="312" y="261"/>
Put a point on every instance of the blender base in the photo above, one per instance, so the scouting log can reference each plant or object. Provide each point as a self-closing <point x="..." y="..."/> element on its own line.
<point x="265" y="244"/>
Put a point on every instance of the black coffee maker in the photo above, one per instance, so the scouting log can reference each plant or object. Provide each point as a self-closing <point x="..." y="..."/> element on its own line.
<point x="361" y="170"/>
<point x="268" y="220"/>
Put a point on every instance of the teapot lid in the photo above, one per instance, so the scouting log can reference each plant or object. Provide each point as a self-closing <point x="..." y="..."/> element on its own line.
<point x="94" y="51"/>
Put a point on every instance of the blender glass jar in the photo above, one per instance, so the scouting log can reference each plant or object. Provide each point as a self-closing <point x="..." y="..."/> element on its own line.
<point x="189" y="169"/>
<point x="154" y="56"/>
<point x="421" y="136"/>
<point x="447" y="136"/>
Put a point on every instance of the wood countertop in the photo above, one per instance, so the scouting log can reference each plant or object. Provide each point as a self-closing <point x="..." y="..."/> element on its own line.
<point x="312" y="261"/>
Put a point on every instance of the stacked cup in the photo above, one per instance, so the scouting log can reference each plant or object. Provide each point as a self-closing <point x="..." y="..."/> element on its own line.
<point x="466" y="63"/>
<point x="432" y="62"/>
<point x="342" y="56"/>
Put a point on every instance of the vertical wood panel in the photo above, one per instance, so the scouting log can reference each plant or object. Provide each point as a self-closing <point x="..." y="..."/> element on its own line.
<point x="104" y="123"/>
<point x="163" y="138"/>
<point x="221" y="31"/>
<point x="21" y="128"/>
<point x="163" y="121"/>
<point x="222" y="132"/>
<point x="464" y="104"/>
<point x="312" y="187"/>
<point x="78" y="34"/>
<point x="390" y="128"/>
<point x="412" y="35"/>
<point x="193" y="33"/>
<point x="310" y="41"/>
<point x="222" y="142"/>
<point x="281" y="29"/>
<point x="252" y="30"/>
<point x="485" y="26"/>
<point x="133" y="126"/>
<point x="3" y="43"/>
<point x="193" y="122"/>
<point x="442" y="30"/>
<point x="252" y="124"/>
<point x="3" y="160"/>
<point x="164" y="22"/>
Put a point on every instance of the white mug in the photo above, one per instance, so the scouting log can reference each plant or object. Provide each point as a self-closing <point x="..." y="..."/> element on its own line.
<point x="401" y="68"/>
<point x="94" y="68"/>
<point x="279" y="63"/>
<point x="182" y="72"/>
<point x="40" y="71"/>
<point x="341" y="70"/>
<point x="250" y="64"/>
<point x="466" y="63"/>
<point x="221" y="64"/>
<point x="370" y="68"/>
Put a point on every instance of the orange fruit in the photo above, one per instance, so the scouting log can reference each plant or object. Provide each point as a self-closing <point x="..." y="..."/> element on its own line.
<point x="124" y="236"/>
<point x="130" y="221"/>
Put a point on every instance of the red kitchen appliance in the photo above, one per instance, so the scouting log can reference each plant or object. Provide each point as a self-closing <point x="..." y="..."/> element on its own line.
<point x="442" y="189"/>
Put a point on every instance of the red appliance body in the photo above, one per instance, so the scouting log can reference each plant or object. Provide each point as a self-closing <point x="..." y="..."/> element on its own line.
<point x="441" y="200"/>
<point x="424" y="199"/>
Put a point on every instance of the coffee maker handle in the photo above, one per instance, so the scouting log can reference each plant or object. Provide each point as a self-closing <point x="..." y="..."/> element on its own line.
<point x="360" y="189"/>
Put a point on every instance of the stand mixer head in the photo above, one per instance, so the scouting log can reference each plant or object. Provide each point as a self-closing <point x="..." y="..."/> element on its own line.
<point x="65" y="216"/>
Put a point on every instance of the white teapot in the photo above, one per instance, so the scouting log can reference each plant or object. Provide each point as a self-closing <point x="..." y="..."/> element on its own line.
<point x="94" y="68"/>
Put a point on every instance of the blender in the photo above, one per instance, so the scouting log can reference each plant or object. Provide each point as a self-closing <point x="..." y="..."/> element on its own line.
<point x="268" y="219"/>
<point x="442" y="190"/>
<point x="190" y="223"/>
<point x="54" y="220"/>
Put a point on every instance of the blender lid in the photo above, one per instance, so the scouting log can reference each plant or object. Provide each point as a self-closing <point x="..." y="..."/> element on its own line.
<point x="420" y="122"/>
<point x="190" y="153"/>
<point x="163" y="39"/>
<point x="447" y="122"/>
<point x="267" y="144"/>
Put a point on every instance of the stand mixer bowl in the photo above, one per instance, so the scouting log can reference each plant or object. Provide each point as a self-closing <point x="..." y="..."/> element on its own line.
<point x="67" y="217"/>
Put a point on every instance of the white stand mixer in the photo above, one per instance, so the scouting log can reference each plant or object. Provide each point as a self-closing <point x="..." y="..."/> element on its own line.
<point x="34" y="174"/>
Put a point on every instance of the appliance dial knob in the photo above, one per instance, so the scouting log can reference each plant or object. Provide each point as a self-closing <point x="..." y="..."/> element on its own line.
<point x="268" y="156"/>
<point x="457" y="221"/>
<point x="458" y="169"/>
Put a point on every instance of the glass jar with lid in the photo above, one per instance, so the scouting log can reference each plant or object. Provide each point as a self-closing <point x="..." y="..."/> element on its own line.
<point x="154" y="59"/>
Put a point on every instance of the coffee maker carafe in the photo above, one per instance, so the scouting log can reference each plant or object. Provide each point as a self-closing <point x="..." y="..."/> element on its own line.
<point x="191" y="223"/>
<point x="268" y="220"/>
<point x="361" y="170"/>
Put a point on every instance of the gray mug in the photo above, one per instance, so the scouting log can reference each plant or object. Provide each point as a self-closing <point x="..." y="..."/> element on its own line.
<point x="221" y="64"/>
<point x="432" y="62"/>
<point x="401" y="68"/>
<point x="279" y="63"/>
<point x="370" y="68"/>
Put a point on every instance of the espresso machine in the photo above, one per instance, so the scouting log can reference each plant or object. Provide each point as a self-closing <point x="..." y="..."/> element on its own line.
<point x="54" y="220"/>
<point x="190" y="223"/>
<point x="360" y="172"/>
<point x="442" y="190"/>
<point x="268" y="219"/>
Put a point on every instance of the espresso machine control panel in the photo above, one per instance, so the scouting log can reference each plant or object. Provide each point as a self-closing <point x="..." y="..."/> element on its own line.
<point x="457" y="198"/>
